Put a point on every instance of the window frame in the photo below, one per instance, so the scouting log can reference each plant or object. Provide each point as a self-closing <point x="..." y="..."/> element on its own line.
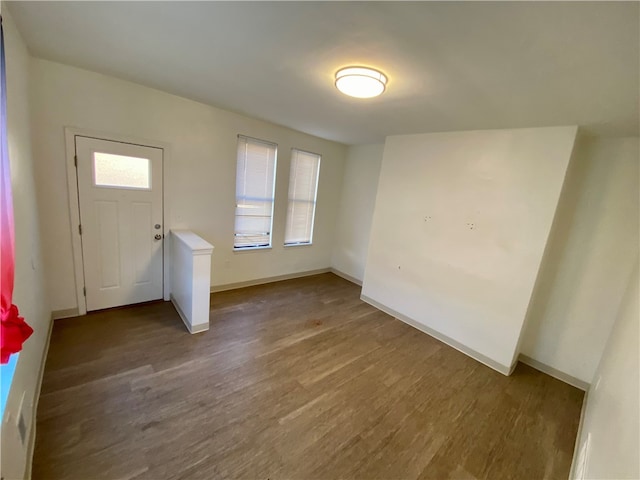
<point x="314" y="202"/>
<point x="249" y="248"/>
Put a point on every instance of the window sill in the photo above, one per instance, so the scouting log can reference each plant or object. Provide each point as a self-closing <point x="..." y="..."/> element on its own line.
<point x="251" y="249"/>
<point x="298" y="245"/>
<point x="6" y="374"/>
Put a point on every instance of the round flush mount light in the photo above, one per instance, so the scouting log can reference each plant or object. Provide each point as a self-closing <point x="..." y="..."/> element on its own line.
<point x="360" y="82"/>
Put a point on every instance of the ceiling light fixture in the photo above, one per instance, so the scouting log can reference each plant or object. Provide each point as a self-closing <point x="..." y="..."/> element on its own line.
<point x="360" y="82"/>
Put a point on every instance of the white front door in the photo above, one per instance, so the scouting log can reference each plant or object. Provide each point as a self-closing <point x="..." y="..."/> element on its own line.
<point x="120" y="196"/>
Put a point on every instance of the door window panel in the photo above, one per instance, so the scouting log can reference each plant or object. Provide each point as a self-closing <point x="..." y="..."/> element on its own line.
<point x="119" y="171"/>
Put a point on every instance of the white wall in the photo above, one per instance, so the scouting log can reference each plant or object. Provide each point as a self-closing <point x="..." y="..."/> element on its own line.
<point x="359" y="188"/>
<point x="190" y="278"/>
<point x="29" y="289"/>
<point x="588" y="262"/>
<point x="460" y="224"/>
<point x="200" y="174"/>
<point x="586" y="265"/>
<point x="609" y="443"/>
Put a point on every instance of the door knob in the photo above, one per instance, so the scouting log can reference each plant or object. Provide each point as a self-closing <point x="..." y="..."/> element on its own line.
<point x="158" y="236"/>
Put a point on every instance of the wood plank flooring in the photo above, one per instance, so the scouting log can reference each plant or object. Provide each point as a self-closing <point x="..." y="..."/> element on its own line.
<point x="295" y="380"/>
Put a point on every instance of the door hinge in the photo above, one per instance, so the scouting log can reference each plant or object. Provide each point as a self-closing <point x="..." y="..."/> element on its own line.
<point x="75" y="161"/>
<point x="84" y="291"/>
<point x="80" y="229"/>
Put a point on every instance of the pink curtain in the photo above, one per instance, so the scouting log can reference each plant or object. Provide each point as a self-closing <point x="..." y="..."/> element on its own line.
<point x="13" y="329"/>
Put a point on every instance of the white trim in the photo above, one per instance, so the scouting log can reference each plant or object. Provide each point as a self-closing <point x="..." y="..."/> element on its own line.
<point x="503" y="369"/>
<point x="554" y="372"/>
<point x="305" y="244"/>
<point x="315" y="198"/>
<point x="74" y="208"/>
<point x="196" y="244"/>
<point x="247" y="140"/>
<point x="34" y="411"/>
<point x="251" y="249"/>
<point x="74" y="215"/>
<point x="262" y="281"/>
<point x="576" y="448"/>
<point x="67" y="313"/>
<point x="346" y="276"/>
<point x="203" y="327"/>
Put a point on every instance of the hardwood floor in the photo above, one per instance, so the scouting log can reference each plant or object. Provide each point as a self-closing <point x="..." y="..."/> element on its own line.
<point x="294" y="380"/>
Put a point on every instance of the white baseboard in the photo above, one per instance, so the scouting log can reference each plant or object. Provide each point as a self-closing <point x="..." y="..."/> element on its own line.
<point x="503" y="369"/>
<point x="555" y="373"/>
<point x="203" y="327"/>
<point x="67" y="313"/>
<point x="576" y="448"/>
<point x="262" y="281"/>
<point x="34" y="412"/>
<point x="346" y="276"/>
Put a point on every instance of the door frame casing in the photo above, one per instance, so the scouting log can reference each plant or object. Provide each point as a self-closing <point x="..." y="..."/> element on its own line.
<point x="70" y="134"/>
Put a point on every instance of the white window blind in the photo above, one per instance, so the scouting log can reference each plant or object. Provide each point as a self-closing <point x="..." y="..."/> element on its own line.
<point x="255" y="183"/>
<point x="303" y="188"/>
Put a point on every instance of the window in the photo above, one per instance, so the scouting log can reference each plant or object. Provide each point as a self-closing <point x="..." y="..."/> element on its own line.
<point x="121" y="172"/>
<point x="255" y="183"/>
<point x="303" y="188"/>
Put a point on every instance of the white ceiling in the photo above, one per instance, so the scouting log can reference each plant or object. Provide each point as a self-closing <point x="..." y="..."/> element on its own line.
<point x="451" y="66"/>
